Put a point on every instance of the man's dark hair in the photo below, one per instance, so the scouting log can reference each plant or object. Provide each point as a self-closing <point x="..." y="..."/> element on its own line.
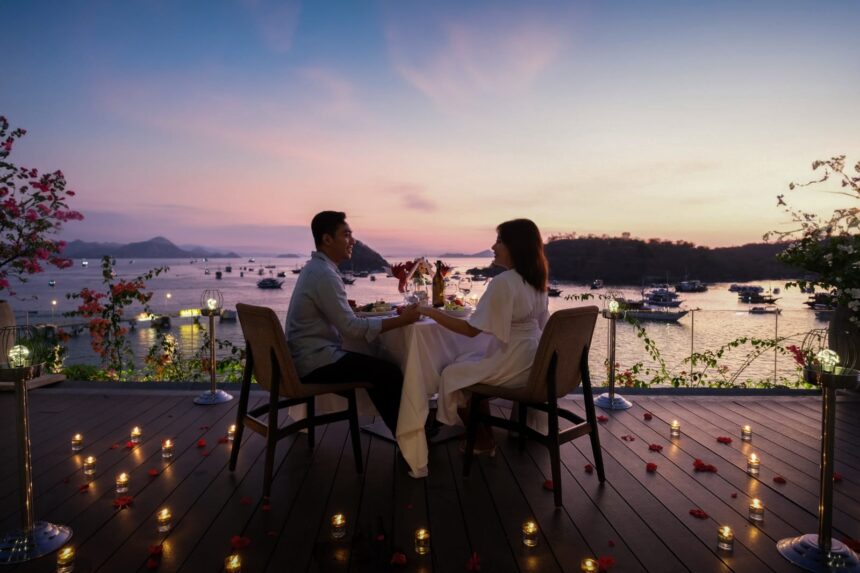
<point x="326" y="223"/>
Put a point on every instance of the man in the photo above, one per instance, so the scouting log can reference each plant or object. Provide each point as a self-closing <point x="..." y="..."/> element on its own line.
<point x="320" y="317"/>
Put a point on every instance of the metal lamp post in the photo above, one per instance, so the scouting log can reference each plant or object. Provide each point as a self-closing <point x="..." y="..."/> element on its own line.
<point x="211" y="303"/>
<point x="820" y="552"/>
<point x="34" y="538"/>
<point x="610" y="400"/>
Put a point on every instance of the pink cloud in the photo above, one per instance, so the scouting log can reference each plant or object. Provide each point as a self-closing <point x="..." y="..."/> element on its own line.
<point x="276" y="20"/>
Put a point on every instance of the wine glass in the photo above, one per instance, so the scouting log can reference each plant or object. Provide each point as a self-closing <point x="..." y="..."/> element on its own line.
<point x="465" y="285"/>
<point x="409" y="295"/>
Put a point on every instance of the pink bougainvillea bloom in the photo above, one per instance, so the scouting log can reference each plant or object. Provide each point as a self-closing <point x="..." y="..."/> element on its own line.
<point x="601" y="418"/>
<point x="724" y="440"/>
<point x="548" y="485"/>
<point x="650" y="467"/>
<point x="655" y="447"/>
<point x="647" y="416"/>
<point x="698" y="513"/>
<point x="779" y="479"/>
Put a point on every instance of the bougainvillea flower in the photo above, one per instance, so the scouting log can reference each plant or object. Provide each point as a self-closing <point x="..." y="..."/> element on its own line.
<point x="589" y="468"/>
<point x="123" y="501"/>
<point x="655" y="447"/>
<point x="778" y="479"/>
<point x="650" y="467"/>
<point x="647" y="416"/>
<point x="548" y="485"/>
<point x="698" y="513"/>
<point x="239" y="542"/>
<point x="724" y="440"/>
<point x="398" y="559"/>
<point x="700" y="466"/>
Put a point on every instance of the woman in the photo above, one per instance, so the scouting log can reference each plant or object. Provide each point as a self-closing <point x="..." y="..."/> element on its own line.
<point x="513" y="311"/>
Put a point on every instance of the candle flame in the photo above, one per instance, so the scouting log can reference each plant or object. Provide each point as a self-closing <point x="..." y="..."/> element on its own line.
<point x="756" y="503"/>
<point x="753" y="458"/>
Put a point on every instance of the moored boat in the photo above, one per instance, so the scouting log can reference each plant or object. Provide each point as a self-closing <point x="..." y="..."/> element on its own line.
<point x="269" y="283"/>
<point x="768" y="309"/>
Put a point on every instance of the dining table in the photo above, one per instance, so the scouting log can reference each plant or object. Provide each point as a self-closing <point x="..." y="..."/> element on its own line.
<point x="422" y="350"/>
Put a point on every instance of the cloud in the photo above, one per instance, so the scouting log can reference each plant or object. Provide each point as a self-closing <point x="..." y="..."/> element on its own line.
<point x="493" y="52"/>
<point x="276" y="20"/>
<point x="412" y="197"/>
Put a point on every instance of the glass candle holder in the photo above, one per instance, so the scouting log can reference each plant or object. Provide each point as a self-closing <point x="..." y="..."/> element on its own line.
<point x="77" y="442"/>
<point x="756" y="510"/>
<point x="162" y="518"/>
<point x="135" y="435"/>
<point x="233" y="564"/>
<point x="89" y="466"/>
<point x="589" y="565"/>
<point x="530" y="533"/>
<point x="231" y="433"/>
<point x="746" y="434"/>
<point x="422" y="541"/>
<point x="725" y="538"/>
<point x="122" y="482"/>
<point x="167" y="447"/>
<point x="66" y="559"/>
<point x="338" y="525"/>
<point x="753" y="464"/>
<point x="675" y="429"/>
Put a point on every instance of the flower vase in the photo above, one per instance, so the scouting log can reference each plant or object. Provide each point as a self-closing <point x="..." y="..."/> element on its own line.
<point x="844" y="337"/>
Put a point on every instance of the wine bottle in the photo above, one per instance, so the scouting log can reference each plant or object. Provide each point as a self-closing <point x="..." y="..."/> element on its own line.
<point x="438" y="286"/>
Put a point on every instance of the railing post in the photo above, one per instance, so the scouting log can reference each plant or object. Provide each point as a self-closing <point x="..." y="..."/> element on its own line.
<point x="775" y="342"/>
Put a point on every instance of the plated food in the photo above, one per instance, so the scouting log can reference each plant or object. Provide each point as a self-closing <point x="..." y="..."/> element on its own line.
<point x="456" y="307"/>
<point x="378" y="308"/>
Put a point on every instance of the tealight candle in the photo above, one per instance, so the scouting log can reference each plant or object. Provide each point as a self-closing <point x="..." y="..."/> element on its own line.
<point x="338" y="525"/>
<point x="422" y="541"/>
<point x="167" y="449"/>
<point x="675" y="429"/>
<point x="233" y="564"/>
<point x="66" y="559"/>
<point x="753" y="464"/>
<point x="725" y="538"/>
<point x="122" y="482"/>
<point x="530" y="533"/>
<point x="231" y="433"/>
<point x="89" y="466"/>
<point x="589" y="565"/>
<point x="77" y="442"/>
<point x="135" y="435"/>
<point x="757" y="511"/>
<point x="746" y="434"/>
<point x="163" y="519"/>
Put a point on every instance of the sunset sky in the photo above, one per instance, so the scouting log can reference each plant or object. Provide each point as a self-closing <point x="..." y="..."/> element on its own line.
<point x="228" y="124"/>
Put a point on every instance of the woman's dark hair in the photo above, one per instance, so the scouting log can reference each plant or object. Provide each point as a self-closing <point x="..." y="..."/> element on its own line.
<point x="326" y="223"/>
<point x="523" y="240"/>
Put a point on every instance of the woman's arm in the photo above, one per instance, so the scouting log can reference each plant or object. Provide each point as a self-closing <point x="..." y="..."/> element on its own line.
<point x="453" y="324"/>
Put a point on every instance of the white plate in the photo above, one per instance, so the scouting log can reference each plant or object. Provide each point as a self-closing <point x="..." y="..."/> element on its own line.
<point x="373" y="313"/>
<point x="458" y="313"/>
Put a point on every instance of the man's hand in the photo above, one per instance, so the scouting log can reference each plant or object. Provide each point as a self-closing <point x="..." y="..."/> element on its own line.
<point x="410" y="314"/>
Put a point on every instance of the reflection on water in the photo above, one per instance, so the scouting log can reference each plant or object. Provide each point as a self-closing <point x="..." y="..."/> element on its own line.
<point x="720" y="318"/>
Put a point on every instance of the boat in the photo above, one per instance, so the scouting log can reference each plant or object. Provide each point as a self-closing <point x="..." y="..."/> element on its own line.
<point x="228" y="269"/>
<point x="553" y="291"/>
<point x="252" y="260"/>
<point x="297" y="269"/>
<point x="228" y="314"/>
<point x="270" y="266"/>
<point x="757" y="298"/>
<point x="269" y="283"/>
<point x="52" y="283"/>
<point x="260" y="272"/>
<point x="691" y="286"/>
<point x="347" y="279"/>
<point x="281" y="275"/>
<point x="206" y="271"/>
<point x="362" y="274"/>
<point x="656" y="314"/>
<point x="596" y="284"/>
<point x="373" y="277"/>
<point x="84" y="263"/>
<point x="662" y="297"/>
<point x="131" y="261"/>
<point x="218" y="275"/>
<point x="820" y="299"/>
<point x="768" y="309"/>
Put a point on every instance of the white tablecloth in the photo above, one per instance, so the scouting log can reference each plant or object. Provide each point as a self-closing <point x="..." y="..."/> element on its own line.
<point x="422" y="350"/>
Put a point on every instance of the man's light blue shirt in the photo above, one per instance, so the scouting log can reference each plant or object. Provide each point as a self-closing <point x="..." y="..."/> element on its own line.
<point x="320" y="317"/>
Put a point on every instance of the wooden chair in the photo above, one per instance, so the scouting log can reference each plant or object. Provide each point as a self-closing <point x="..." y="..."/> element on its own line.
<point x="560" y="365"/>
<point x="268" y="359"/>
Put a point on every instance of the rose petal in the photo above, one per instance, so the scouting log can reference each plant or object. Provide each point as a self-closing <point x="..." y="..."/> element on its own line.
<point x="409" y="506"/>
<point x="66" y="480"/>
<point x="398" y="559"/>
<point x="602" y="419"/>
<point x="152" y="563"/>
<point x="647" y="415"/>
<point x="84" y="488"/>
<point x="239" y="542"/>
<point x="152" y="472"/>
<point x="201" y="443"/>
<point x="204" y="428"/>
<point x="548" y="485"/>
<point x="655" y="448"/>
<point x="246" y="500"/>
<point x="837" y="477"/>
<point x="205" y="453"/>
<point x="698" y="513"/>
<point x="474" y="562"/>
<point x="700" y="466"/>
<point x="130" y="445"/>
<point x="380" y="537"/>
<point x="266" y="507"/>
<point x="589" y="468"/>
<point x="778" y="479"/>
<point x="611" y="543"/>
<point x="223" y="440"/>
<point x="724" y="440"/>
<point x="156" y="550"/>
<point x="123" y="501"/>
<point x="651" y="467"/>
<point x="605" y="562"/>
<point x="734" y="495"/>
<point x="114" y="446"/>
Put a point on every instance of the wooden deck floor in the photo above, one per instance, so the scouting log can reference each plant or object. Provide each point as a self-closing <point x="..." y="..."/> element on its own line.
<point x="642" y="520"/>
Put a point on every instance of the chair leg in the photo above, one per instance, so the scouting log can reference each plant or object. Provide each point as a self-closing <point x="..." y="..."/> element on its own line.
<point x="554" y="452"/>
<point x="471" y="433"/>
<point x="523" y="423"/>
<point x="241" y="411"/>
<point x="353" y="432"/>
<point x="311" y="427"/>
<point x="597" y="453"/>
<point x="271" y="443"/>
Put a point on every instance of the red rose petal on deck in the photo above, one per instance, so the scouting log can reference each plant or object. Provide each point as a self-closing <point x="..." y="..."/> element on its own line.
<point x="700" y="466"/>
<point x="204" y="453"/>
<point x="156" y="550"/>
<point x="778" y="479"/>
<point x="239" y="542"/>
<point x="201" y="443"/>
<point x="724" y="440"/>
<point x="605" y="562"/>
<point x="152" y="563"/>
<point x="123" y="501"/>
<point x="398" y="559"/>
<point x="474" y="562"/>
<point x="223" y="440"/>
<point x="699" y="513"/>
<point x="647" y="415"/>
<point x="130" y="445"/>
<point x="601" y="418"/>
<point x="266" y="507"/>
<point x="246" y="500"/>
<point x="655" y="448"/>
<point x="114" y="446"/>
<point x="651" y="467"/>
<point x="837" y="477"/>
<point x="734" y="495"/>
<point x="380" y="537"/>
<point x="84" y="488"/>
<point x="152" y="472"/>
<point x="548" y="485"/>
<point x="589" y="468"/>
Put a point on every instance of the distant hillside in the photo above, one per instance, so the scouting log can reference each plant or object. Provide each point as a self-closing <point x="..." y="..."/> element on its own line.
<point x="484" y="253"/>
<point x="363" y="259"/>
<point x="155" y="248"/>
<point x="289" y="256"/>
<point x="630" y="261"/>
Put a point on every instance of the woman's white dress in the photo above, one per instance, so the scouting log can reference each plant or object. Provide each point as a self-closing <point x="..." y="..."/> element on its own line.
<point x="513" y="313"/>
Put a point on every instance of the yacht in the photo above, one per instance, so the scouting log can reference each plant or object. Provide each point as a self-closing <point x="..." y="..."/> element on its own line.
<point x="691" y="286"/>
<point x="596" y="284"/>
<point x="662" y="297"/>
<point x="85" y="263"/>
<point x="269" y="283"/>
<point x="657" y="314"/>
<point x="767" y="309"/>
